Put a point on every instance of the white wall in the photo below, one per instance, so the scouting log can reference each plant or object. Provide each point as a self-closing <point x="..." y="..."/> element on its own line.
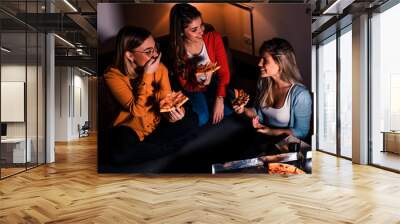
<point x="12" y="73"/>
<point x="71" y="102"/>
<point x="80" y="111"/>
<point x="61" y="103"/>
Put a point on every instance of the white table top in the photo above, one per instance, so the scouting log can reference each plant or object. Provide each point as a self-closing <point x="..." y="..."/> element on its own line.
<point x="13" y="140"/>
<point x="392" y="131"/>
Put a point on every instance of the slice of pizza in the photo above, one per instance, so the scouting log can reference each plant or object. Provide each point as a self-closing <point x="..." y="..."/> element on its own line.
<point x="180" y="99"/>
<point x="282" y="168"/>
<point x="210" y="67"/>
<point x="241" y="98"/>
<point x="172" y="101"/>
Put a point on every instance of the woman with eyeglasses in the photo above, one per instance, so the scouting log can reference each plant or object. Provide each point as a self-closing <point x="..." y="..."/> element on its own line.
<point x="192" y="47"/>
<point x="283" y="103"/>
<point x="138" y="81"/>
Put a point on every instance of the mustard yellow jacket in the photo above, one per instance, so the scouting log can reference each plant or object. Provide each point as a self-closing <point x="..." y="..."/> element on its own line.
<point x="141" y="111"/>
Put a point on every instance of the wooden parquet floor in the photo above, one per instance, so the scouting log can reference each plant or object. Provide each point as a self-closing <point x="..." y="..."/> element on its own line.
<point x="71" y="191"/>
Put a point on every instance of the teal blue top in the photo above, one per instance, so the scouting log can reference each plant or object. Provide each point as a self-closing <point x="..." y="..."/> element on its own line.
<point x="300" y="111"/>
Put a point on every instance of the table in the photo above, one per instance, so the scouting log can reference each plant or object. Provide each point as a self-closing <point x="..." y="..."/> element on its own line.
<point x="13" y="150"/>
<point x="391" y="141"/>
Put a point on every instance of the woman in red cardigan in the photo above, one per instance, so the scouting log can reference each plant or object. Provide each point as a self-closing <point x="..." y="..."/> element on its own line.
<point x="191" y="49"/>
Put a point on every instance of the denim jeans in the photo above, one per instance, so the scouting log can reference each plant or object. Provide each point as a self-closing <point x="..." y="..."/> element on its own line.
<point x="203" y="105"/>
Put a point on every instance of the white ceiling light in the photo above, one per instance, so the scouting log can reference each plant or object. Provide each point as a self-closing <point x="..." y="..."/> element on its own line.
<point x="65" y="41"/>
<point x="337" y="7"/>
<point x="5" y="50"/>
<point x="84" y="71"/>
<point x="70" y="5"/>
<point x="79" y="51"/>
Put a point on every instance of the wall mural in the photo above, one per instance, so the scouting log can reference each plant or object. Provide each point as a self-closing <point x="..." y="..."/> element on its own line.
<point x="204" y="88"/>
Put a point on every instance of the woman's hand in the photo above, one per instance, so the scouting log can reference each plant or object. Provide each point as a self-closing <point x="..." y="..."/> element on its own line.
<point x="151" y="65"/>
<point x="260" y="127"/>
<point x="256" y="123"/>
<point x="238" y="109"/>
<point x="176" y="114"/>
<point x="218" y="113"/>
<point x="265" y="130"/>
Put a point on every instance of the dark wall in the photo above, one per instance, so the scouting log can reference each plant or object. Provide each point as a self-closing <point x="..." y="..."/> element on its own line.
<point x="291" y="22"/>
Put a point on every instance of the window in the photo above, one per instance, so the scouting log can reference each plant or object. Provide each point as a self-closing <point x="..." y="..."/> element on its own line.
<point x="385" y="85"/>
<point x="346" y="92"/>
<point x="326" y="96"/>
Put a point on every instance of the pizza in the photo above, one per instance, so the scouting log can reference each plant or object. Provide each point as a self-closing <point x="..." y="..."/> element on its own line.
<point x="172" y="100"/>
<point x="282" y="168"/>
<point x="241" y="98"/>
<point x="210" y="67"/>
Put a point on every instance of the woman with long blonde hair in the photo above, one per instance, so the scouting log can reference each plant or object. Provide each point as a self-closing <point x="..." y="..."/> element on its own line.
<point x="283" y="104"/>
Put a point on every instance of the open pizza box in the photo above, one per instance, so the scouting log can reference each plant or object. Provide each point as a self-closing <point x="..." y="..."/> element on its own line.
<point x="285" y="163"/>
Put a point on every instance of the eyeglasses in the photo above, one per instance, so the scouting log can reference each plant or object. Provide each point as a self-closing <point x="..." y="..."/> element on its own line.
<point x="150" y="51"/>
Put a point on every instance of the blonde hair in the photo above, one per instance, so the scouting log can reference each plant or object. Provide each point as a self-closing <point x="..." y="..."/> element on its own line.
<point x="283" y="54"/>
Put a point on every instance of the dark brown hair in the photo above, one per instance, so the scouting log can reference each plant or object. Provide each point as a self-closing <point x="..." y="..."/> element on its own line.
<point x="181" y="15"/>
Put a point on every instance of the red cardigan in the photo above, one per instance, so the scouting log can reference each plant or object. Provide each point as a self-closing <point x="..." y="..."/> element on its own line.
<point x="216" y="53"/>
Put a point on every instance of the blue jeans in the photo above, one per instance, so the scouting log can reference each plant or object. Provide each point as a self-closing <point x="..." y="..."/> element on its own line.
<point x="203" y="105"/>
